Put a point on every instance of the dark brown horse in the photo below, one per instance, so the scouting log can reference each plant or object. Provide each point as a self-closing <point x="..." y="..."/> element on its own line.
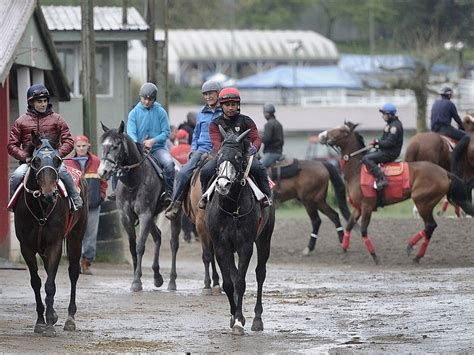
<point x="43" y="219"/>
<point x="428" y="183"/>
<point x="310" y="187"/>
<point x="463" y="162"/>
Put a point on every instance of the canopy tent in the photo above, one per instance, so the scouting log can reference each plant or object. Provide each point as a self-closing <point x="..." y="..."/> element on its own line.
<point x="289" y="77"/>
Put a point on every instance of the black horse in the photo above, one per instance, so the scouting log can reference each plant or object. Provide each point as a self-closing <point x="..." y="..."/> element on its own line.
<point x="139" y="192"/>
<point x="236" y="221"/>
<point x="43" y="219"/>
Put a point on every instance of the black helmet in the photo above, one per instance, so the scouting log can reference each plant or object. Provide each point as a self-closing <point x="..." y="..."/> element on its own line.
<point x="210" y="85"/>
<point x="269" y="108"/>
<point x="446" y="91"/>
<point x="37" y="91"/>
<point x="148" y="91"/>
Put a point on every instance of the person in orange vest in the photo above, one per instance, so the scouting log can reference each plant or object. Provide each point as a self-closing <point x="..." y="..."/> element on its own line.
<point x="87" y="162"/>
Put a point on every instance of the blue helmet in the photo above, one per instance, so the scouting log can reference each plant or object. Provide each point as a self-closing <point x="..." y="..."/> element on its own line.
<point x="389" y="109"/>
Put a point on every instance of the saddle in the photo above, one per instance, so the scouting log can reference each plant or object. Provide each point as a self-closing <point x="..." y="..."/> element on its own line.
<point x="397" y="174"/>
<point x="284" y="169"/>
<point x="156" y="165"/>
<point x="450" y="141"/>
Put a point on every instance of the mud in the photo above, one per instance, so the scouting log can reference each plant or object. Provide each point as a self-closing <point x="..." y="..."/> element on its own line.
<point x="320" y="303"/>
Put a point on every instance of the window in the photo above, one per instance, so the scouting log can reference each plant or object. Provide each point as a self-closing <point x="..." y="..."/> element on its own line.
<point x="68" y="55"/>
<point x="103" y="70"/>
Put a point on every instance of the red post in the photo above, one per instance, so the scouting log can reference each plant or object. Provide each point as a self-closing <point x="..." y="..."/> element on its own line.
<point x="4" y="169"/>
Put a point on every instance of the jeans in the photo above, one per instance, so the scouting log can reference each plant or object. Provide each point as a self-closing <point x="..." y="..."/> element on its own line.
<point x="89" y="243"/>
<point x="452" y="132"/>
<point x="269" y="158"/>
<point x="166" y="161"/>
<point x="184" y="175"/>
<point x="17" y="177"/>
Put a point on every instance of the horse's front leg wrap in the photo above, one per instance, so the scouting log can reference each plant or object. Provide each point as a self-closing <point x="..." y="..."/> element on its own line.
<point x="345" y="240"/>
<point x="416" y="238"/>
<point x="368" y="244"/>
<point x="423" y="248"/>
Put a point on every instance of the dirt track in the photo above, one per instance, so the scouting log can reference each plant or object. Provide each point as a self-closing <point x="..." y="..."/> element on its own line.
<point x="320" y="303"/>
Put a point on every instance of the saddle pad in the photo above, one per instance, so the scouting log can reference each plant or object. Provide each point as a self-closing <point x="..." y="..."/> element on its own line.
<point x="76" y="175"/>
<point x="286" y="171"/>
<point x="450" y="142"/>
<point x="397" y="183"/>
<point x="389" y="169"/>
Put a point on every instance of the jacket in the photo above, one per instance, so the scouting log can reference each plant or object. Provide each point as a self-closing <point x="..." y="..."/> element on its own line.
<point x="392" y="138"/>
<point x="201" y="139"/>
<point x="273" y="136"/>
<point x="442" y="112"/>
<point x="52" y="125"/>
<point x="96" y="187"/>
<point x="238" y="125"/>
<point x="150" y="123"/>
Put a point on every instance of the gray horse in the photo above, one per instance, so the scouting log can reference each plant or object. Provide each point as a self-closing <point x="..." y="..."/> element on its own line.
<point x="139" y="192"/>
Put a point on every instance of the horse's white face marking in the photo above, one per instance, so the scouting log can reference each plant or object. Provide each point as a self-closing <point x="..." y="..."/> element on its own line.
<point x="106" y="166"/>
<point x="225" y="175"/>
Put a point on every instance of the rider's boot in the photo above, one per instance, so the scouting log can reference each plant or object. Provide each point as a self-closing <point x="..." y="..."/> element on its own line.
<point x="381" y="180"/>
<point x="173" y="210"/>
<point x="71" y="189"/>
<point x="266" y="201"/>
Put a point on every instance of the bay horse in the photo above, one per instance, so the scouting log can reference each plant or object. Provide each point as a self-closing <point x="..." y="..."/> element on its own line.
<point x="310" y="187"/>
<point x="428" y="183"/>
<point x="138" y="196"/>
<point x="43" y="219"/>
<point x="463" y="162"/>
<point x="236" y="221"/>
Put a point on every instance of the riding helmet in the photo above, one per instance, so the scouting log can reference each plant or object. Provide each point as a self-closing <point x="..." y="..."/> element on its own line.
<point x="148" y="91"/>
<point x="210" y="85"/>
<point x="37" y="91"/>
<point x="389" y="109"/>
<point x="229" y="94"/>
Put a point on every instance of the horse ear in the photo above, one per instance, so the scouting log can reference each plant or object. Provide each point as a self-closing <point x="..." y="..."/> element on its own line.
<point x="104" y="127"/>
<point x="35" y="139"/>
<point x="223" y="132"/>
<point x="239" y="138"/>
<point x="121" y="127"/>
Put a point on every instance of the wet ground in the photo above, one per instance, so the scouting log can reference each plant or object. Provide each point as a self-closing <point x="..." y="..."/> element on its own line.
<point x="320" y="303"/>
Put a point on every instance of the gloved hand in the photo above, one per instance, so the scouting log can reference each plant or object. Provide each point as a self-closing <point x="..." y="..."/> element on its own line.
<point x="374" y="143"/>
<point x="252" y="150"/>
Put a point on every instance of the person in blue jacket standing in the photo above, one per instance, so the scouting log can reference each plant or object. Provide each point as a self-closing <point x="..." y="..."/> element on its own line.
<point x="442" y="112"/>
<point x="148" y="125"/>
<point x="201" y="144"/>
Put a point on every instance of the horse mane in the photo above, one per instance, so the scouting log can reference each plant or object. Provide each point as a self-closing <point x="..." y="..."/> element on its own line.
<point x="352" y="127"/>
<point x="114" y="133"/>
<point x="457" y="167"/>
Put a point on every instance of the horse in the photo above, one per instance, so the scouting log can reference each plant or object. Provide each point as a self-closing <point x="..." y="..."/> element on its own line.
<point x="139" y="199"/>
<point x="310" y="187"/>
<point x="236" y="221"/>
<point x="43" y="219"/>
<point x="462" y="162"/>
<point x="428" y="183"/>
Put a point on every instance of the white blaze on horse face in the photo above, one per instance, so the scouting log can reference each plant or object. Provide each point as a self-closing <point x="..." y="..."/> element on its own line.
<point x="225" y="175"/>
<point x="323" y="136"/>
<point x="105" y="165"/>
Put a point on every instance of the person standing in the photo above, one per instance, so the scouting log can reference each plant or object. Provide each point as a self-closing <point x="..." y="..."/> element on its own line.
<point x="232" y="121"/>
<point x="189" y="125"/>
<point x="41" y="119"/>
<point x="272" y="138"/>
<point x="443" y="112"/>
<point x="87" y="162"/>
<point x="201" y="144"/>
<point x="181" y="151"/>
<point x="388" y="146"/>
<point x="148" y="125"/>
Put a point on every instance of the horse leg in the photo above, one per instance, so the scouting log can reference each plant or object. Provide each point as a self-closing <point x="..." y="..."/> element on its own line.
<point x="334" y="217"/>
<point x="346" y="237"/>
<point x="426" y="212"/>
<point x="35" y="281"/>
<point x="366" y="214"/>
<point x="74" y="244"/>
<point x="245" y="254"/>
<point x="225" y="259"/>
<point x="129" y="227"/>
<point x="313" y="214"/>
<point x="263" y="253"/>
<point x="444" y="207"/>
<point x="156" y="235"/>
<point x="174" y="243"/>
<point x="146" y="223"/>
<point x="53" y="258"/>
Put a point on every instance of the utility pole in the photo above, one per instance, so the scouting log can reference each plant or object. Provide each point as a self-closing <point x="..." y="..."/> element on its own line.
<point x="88" y="72"/>
<point x="165" y="57"/>
<point x="150" y="42"/>
<point x="124" y="12"/>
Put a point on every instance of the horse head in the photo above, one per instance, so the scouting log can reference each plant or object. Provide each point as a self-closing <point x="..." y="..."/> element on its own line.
<point x="45" y="163"/>
<point x="468" y="122"/>
<point x="339" y="136"/>
<point x="113" y="150"/>
<point x="230" y="160"/>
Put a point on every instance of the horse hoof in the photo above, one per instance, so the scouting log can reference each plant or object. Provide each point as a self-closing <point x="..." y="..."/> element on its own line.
<point x="70" y="325"/>
<point x="306" y="251"/>
<point x="216" y="290"/>
<point x="136" y="286"/>
<point x="158" y="280"/>
<point x="409" y="249"/>
<point x="171" y="286"/>
<point x="416" y="260"/>
<point x="257" y="325"/>
<point x="207" y="292"/>
<point x="238" y="328"/>
<point x="55" y="317"/>
<point x="376" y="259"/>
<point x="49" y="331"/>
<point x="39" y="328"/>
<point x="232" y="321"/>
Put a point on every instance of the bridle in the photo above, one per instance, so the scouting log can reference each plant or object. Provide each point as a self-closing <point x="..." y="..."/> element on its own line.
<point x="119" y="169"/>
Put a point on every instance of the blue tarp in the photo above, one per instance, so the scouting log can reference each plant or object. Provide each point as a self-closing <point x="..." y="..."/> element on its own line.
<point x="314" y="77"/>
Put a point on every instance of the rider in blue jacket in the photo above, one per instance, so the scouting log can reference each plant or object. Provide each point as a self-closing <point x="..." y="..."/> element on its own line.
<point x="148" y="125"/>
<point x="200" y="145"/>
<point x="442" y="112"/>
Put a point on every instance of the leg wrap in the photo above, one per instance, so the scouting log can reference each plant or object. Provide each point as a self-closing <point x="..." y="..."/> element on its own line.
<point x="369" y="245"/>
<point x="423" y="248"/>
<point x="416" y="238"/>
<point x="345" y="240"/>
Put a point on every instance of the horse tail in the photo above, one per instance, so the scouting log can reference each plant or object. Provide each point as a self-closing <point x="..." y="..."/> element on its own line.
<point x="339" y="189"/>
<point x="457" y="194"/>
<point x="457" y="167"/>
